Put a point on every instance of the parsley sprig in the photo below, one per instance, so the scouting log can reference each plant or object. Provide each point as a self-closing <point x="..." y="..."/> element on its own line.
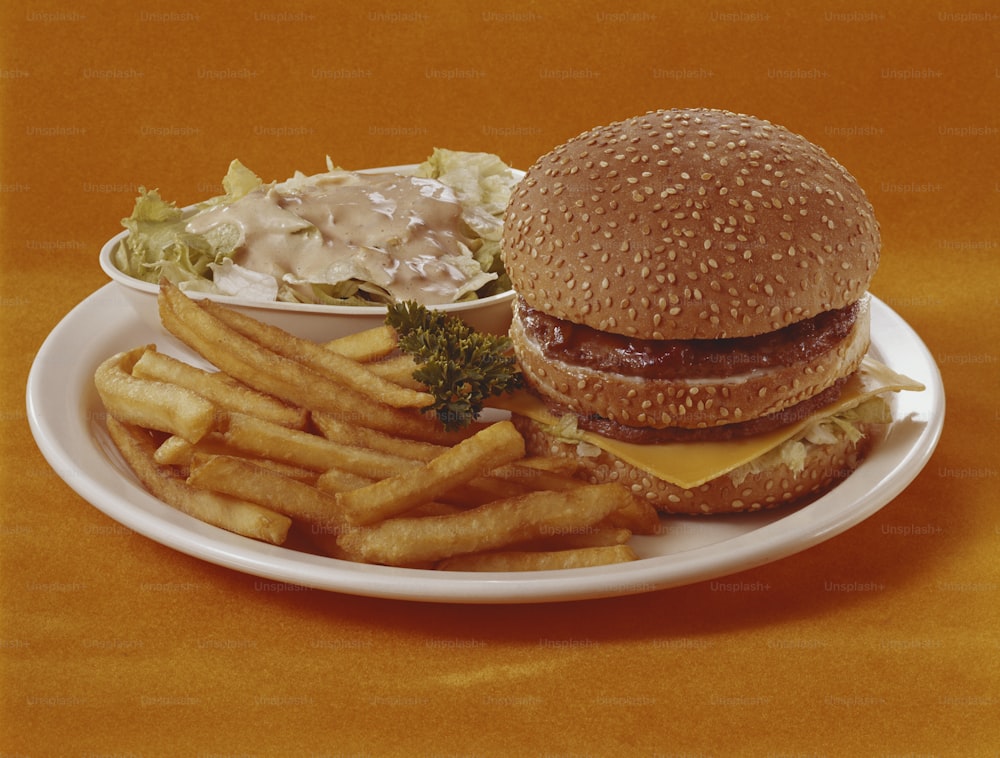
<point x="460" y="366"/>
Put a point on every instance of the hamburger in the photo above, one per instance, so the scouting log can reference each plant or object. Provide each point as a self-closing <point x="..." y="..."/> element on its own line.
<point x="692" y="311"/>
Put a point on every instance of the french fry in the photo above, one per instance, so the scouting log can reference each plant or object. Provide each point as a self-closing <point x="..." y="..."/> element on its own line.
<point x="228" y="350"/>
<point x="495" y="445"/>
<point x="288" y="470"/>
<point x="409" y="541"/>
<point x="328" y="363"/>
<point x="346" y="433"/>
<point x="265" y="486"/>
<point x="366" y="346"/>
<point x="266" y="440"/>
<point x="177" y="451"/>
<point x="398" y="369"/>
<point x="219" y="388"/>
<point x="413" y="425"/>
<point x="538" y="472"/>
<point x="232" y="514"/>
<point x="338" y="480"/>
<point x="561" y="465"/>
<point x="247" y="361"/>
<point x="433" y="508"/>
<point x="577" y="537"/>
<point x="150" y="404"/>
<point x="483" y="489"/>
<point x="476" y="491"/>
<point x="543" y="560"/>
<point x="638" y="516"/>
<point x="536" y="478"/>
<point x="274" y="374"/>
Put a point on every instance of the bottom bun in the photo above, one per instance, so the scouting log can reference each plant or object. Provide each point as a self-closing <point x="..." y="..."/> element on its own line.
<point x="742" y="491"/>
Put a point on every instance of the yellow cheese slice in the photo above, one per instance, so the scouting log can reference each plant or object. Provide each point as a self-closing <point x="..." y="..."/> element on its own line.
<point x="691" y="464"/>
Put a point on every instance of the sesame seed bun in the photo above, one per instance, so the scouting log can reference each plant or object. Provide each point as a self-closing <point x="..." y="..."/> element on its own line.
<point x="689" y="224"/>
<point x="691" y="275"/>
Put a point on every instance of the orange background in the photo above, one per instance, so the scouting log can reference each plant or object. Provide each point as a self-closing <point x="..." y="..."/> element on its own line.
<point x="99" y="98"/>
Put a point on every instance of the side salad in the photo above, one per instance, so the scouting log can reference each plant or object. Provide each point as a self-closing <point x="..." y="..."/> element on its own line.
<point x="338" y="237"/>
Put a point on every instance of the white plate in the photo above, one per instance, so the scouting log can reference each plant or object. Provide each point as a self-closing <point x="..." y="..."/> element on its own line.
<point x="66" y="417"/>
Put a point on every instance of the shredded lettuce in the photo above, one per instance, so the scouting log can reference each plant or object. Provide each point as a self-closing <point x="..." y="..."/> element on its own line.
<point x="825" y="431"/>
<point x="160" y="243"/>
<point x="481" y="180"/>
<point x="238" y="182"/>
<point x="483" y="183"/>
<point x="236" y="281"/>
<point x="566" y="430"/>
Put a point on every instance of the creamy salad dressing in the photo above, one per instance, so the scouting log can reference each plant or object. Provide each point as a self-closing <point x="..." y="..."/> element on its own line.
<point x="404" y="234"/>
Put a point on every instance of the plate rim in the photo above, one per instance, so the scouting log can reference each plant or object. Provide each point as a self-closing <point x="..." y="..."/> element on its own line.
<point x="909" y="443"/>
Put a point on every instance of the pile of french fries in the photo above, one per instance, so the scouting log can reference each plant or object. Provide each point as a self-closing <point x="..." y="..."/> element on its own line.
<point x="323" y="447"/>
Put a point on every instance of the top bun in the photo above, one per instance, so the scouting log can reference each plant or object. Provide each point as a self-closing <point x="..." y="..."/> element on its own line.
<point x="689" y="224"/>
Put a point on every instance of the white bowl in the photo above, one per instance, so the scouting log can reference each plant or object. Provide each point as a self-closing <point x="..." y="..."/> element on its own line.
<point x="319" y="323"/>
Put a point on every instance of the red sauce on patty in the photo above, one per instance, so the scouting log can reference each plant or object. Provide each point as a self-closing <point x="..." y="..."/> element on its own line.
<point x="581" y="345"/>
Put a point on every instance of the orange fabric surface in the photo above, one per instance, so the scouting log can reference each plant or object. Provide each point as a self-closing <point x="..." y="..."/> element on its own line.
<point x="881" y="641"/>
